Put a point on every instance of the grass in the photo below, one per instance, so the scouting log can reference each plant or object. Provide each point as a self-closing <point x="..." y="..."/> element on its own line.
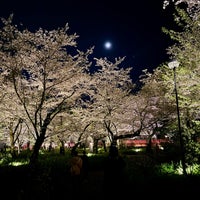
<point x="50" y="178"/>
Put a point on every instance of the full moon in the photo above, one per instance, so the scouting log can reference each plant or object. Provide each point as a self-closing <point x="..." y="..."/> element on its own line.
<point x="108" y="45"/>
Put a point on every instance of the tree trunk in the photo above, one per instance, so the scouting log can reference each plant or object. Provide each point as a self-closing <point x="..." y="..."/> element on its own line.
<point x="95" y="147"/>
<point x="36" y="149"/>
<point x="12" y="143"/>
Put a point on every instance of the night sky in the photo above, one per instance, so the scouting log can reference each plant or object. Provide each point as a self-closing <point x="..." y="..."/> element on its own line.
<point x="132" y="27"/>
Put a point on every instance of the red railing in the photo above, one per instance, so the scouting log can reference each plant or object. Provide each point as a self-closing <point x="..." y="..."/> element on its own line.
<point x="143" y="142"/>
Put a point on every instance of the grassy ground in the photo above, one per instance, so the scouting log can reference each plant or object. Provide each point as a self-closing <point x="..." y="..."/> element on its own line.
<point x="52" y="181"/>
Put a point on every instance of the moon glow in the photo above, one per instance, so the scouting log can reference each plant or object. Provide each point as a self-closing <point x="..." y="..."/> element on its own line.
<point x="108" y="45"/>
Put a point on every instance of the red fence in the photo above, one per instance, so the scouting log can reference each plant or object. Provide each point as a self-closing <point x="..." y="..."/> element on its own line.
<point x="143" y="142"/>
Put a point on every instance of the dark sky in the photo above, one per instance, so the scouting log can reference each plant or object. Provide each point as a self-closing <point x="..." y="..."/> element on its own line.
<point x="133" y="27"/>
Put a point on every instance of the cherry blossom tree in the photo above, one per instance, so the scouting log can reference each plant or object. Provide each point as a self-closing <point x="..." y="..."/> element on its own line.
<point x="112" y="86"/>
<point x="186" y="51"/>
<point x="12" y="119"/>
<point x="192" y="6"/>
<point x="46" y="71"/>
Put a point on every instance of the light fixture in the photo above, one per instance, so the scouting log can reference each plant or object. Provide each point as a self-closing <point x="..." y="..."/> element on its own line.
<point x="173" y="65"/>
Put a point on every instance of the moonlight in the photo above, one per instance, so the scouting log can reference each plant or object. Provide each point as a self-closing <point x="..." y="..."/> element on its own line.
<point x="108" y="45"/>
